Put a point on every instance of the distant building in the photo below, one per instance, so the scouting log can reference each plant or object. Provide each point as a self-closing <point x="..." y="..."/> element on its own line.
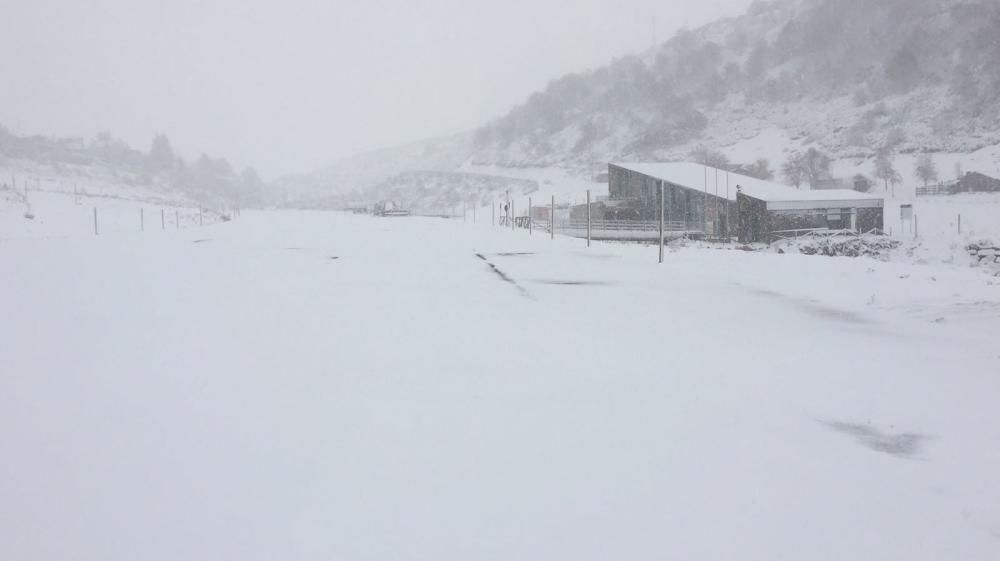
<point x="975" y="182"/>
<point x="389" y="208"/>
<point x="714" y="203"/>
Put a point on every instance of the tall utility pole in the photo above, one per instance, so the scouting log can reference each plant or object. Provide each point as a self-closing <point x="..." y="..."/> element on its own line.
<point x="729" y="226"/>
<point x="704" y="208"/>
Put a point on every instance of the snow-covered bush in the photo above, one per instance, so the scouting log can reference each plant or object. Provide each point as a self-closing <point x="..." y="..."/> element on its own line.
<point x="868" y="245"/>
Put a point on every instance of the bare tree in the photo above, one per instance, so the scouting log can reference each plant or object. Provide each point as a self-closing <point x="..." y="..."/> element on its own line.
<point x="709" y="157"/>
<point x="925" y="169"/>
<point x="811" y="165"/>
<point x="817" y="165"/>
<point x="885" y="170"/>
<point x="794" y="169"/>
<point x="761" y="169"/>
<point x="862" y="183"/>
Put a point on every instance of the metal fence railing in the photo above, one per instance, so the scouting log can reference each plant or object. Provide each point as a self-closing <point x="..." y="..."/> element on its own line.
<point x="938" y="190"/>
<point x="637" y="230"/>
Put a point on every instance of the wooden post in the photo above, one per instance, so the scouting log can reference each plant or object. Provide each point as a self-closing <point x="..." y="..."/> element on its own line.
<point x="163" y="219"/>
<point x="142" y="220"/>
<point x="661" y="220"/>
<point x="960" y="224"/>
<point x="916" y="230"/>
<point x="201" y="218"/>
<point x="588" y="217"/>
<point x="177" y="219"/>
<point x="552" y="217"/>
<point x="96" y="233"/>
<point x="512" y="227"/>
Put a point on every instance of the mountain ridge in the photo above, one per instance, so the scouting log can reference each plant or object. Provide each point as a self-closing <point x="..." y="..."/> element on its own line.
<point x="849" y="77"/>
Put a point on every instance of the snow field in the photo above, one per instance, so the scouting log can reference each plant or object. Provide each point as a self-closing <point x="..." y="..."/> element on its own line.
<point x="319" y="385"/>
<point x="56" y="214"/>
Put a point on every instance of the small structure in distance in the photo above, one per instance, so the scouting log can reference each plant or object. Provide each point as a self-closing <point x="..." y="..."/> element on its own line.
<point x="389" y="208"/>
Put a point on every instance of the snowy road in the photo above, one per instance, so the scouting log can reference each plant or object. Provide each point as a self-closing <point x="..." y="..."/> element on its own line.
<point x="324" y="386"/>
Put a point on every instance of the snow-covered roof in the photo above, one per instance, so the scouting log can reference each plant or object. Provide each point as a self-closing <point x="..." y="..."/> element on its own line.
<point x="701" y="178"/>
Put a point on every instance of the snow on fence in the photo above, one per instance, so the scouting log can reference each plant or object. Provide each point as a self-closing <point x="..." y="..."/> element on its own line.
<point x="31" y="213"/>
<point x="938" y="190"/>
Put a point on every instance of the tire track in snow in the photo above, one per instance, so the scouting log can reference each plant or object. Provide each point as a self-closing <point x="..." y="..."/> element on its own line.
<point x="504" y="276"/>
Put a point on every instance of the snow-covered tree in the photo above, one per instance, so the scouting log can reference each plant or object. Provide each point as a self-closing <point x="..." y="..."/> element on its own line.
<point x="885" y="169"/>
<point x="709" y="157"/>
<point x="811" y="165"/>
<point x="761" y="169"/>
<point x="794" y="170"/>
<point x="161" y="153"/>
<point x="925" y="169"/>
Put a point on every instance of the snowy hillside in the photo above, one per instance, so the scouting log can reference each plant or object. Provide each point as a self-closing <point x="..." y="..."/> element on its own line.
<point x="107" y="166"/>
<point x="849" y="78"/>
<point x="441" y="192"/>
<point x="64" y="206"/>
<point x="349" y="178"/>
<point x="844" y="76"/>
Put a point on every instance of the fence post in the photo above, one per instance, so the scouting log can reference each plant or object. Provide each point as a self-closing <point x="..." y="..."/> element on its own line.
<point x="177" y="219"/>
<point x="530" y="206"/>
<point x="142" y="220"/>
<point x="960" y="224"/>
<point x="201" y="219"/>
<point x="661" y="221"/>
<point x="552" y="217"/>
<point x="163" y="220"/>
<point x="512" y="227"/>
<point x="588" y="217"/>
<point x="916" y="227"/>
<point x="96" y="233"/>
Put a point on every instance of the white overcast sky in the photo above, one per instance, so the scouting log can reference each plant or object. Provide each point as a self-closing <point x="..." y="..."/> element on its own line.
<point x="291" y="85"/>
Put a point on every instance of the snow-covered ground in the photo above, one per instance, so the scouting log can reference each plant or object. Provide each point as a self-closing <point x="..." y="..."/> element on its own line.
<point x="326" y="386"/>
<point x="55" y="214"/>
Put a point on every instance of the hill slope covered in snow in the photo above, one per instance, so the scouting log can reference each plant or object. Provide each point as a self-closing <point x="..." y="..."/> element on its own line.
<point x="849" y="77"/>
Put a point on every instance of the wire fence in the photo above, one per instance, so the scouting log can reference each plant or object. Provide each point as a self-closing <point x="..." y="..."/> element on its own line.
<point x="49" y="212"/>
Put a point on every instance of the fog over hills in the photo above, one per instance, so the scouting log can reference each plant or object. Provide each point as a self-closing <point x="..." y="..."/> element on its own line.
<point x="849" y="77"/>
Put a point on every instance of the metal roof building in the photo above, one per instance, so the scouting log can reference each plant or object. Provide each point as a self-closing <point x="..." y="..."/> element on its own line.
<point x="723" y="204"/>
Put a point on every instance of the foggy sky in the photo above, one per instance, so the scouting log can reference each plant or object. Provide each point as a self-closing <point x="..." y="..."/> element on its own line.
<point x="292" y="85"/>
